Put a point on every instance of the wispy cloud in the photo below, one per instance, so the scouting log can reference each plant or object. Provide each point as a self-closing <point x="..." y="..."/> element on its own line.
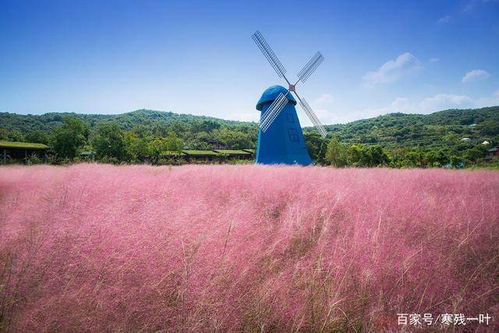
<point x="434" y="59"/>
<point x="425" y="105"/>
<point x="491" y="100"/>
<point x="472" y="4"/>
<point x="465" y="8"/>
<point x="393" y="70"/>
<point x="444" y="101"/>
<point x="438" y="102"/>
<point x="468" y="7"/>
<point x="324" y="107"/>
<point x="444" y="19"/>
<point x="475" y="75"/>
<point x="324" y="100"/>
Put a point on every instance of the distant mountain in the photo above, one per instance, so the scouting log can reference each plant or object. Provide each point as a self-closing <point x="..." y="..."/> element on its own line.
<point x="426" y="131"/>
<point x="436" y="130"/>
<point x="49" y="121"/>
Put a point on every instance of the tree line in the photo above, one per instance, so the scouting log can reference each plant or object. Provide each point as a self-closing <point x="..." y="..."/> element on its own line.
<point x="110" y="143"/>
<point x="361" y="155"/>
<point x="448" y="138"/>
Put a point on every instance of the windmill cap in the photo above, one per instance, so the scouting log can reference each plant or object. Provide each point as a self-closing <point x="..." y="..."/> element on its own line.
<point x="271" y="94"/>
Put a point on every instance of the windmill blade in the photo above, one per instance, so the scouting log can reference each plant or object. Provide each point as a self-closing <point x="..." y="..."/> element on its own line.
<point x="310" y="67"/>
<point x="273" y="111"/>
<point x="272" y="106"/>
<point x="268" y="53"/>
<point x="313" y="118"/>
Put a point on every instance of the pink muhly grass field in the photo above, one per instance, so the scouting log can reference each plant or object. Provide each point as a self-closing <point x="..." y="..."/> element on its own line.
<point x="243" y="248"/>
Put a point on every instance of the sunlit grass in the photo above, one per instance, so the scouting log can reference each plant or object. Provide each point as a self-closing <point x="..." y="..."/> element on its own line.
<point x="242" y="248"/>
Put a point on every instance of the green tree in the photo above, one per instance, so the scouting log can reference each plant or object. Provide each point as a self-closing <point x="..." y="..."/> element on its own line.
<point x="173" y="143"/>
<point x="414" y="158"/>
<point x="201" y="140"/>
<point x="12" y="135"/>
<point x="354" y="154"/>
<point x="374" y="156"/>
<point x="156" y="147"/>
<point x="142" y="132"/>
<point x="456" y="162"/>
<point x="38" y="137"/>
<point x="475" y="154"/>
<point x="69" y="138"/>
<point x="316" y="146"/>
<point x="137" y="147"/>
<point x="436" y="158"/>
<point x="489" y="127"/>
<point x="110" y="143"/>
<point x="232" y="138"/>
<point x="336" y="153"/>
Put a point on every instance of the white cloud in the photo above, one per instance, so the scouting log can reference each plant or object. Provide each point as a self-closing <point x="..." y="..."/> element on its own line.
<point x="247" y="116"/>
<point x="492" y="100"/>
<point x="444" y="19"/>
<point x="444" y="101"/>
<point x="472" y="4"/>
<point x="426" y="105"/>
<point x="324" y="99"/>
<point x="393" y="70"/>
<point x="438" y="102"/>
<point x="475" y="75"/>
<point x="434" y="59"/>
<point x="324" y="106"/>
<point x="337" y="113"/>
<point x="325" y="116"/>
<point x="468" y="7"/>
<point x="401" y="104"/>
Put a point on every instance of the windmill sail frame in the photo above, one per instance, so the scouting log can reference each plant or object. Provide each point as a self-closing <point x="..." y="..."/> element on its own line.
<point x="280" y="102"/>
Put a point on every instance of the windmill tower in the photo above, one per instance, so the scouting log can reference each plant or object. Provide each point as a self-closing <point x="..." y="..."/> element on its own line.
<point x="280" y="137"/>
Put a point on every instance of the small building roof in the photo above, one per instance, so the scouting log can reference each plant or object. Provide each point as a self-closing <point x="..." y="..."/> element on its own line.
<point x="465" y="139"/>
<point x="231" y="152"/>
<point x="22" y="145"/>
<point x="87" y="153"/>
<point x="200" y="152"/>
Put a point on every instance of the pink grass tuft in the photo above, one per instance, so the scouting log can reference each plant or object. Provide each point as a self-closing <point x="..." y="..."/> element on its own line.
<point x="243" y="248"/>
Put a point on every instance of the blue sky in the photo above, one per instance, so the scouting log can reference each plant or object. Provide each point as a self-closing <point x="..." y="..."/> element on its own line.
<point x="197" y="56"/>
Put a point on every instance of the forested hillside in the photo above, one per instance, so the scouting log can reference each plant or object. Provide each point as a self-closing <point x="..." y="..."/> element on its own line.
<point x="433" y="130"/>
<point x="49" y="121"/>
<point x="197" y="132"/>
<point x="411" y="139"/>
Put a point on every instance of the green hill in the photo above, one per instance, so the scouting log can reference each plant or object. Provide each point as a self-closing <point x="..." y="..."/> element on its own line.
<point x="198" y="132"/>
<point x="437" y="129"/>
<point x="49" y="121"/>
<point x="442" y="131"/>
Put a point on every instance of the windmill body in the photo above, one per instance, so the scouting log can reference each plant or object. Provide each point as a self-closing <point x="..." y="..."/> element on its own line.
<point x="282" y="142"/>
<point x="280" y="138"/>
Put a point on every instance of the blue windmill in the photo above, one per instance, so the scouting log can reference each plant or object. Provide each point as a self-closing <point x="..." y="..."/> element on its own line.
<point x="280" y="137"/>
